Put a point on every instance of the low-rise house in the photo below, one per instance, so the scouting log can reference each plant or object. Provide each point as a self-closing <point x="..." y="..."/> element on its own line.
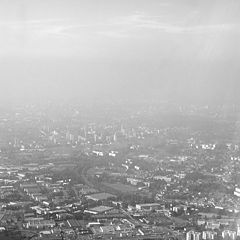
<point x="148" y="206"/>
<point x="107" y="229"/>
<point x="38" y="223"/>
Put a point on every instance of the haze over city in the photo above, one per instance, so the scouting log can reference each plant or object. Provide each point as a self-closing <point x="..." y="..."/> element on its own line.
<point x="119" y="119"/>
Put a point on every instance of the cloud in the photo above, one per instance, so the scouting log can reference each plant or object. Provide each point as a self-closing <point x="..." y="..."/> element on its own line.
<point x="41" y="27"/>
<point x="121" y="27"/>
<point x="138" y="22"/>
<point x="141" y="20"/>
<point x="32" y="27"/>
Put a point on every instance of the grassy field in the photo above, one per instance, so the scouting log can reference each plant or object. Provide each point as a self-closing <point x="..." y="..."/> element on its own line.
<point x="124" y="188"/>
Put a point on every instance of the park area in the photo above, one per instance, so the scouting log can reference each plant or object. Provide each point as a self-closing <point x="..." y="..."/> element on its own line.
<point x="120" y="187"/>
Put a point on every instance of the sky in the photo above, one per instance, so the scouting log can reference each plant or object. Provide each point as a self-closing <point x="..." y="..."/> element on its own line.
<point x="185" y="50"/>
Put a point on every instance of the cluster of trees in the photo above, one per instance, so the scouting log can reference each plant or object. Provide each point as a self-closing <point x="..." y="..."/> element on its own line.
<point x="68" y="173"/>
<point x="208" y="188"/>
<point x="12" y="197"/>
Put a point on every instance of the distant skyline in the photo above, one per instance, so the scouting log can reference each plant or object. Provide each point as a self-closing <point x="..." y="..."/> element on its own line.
<point x="185" y="50"/>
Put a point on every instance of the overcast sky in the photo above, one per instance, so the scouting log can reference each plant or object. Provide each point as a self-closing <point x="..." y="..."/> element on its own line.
<point x="170" y="49"/>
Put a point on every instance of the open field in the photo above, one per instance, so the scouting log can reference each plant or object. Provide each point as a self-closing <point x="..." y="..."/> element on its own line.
<point x="120" y="187"/>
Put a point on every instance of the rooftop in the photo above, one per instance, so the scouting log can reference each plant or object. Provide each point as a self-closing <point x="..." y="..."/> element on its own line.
<point x="100" y="196"/>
